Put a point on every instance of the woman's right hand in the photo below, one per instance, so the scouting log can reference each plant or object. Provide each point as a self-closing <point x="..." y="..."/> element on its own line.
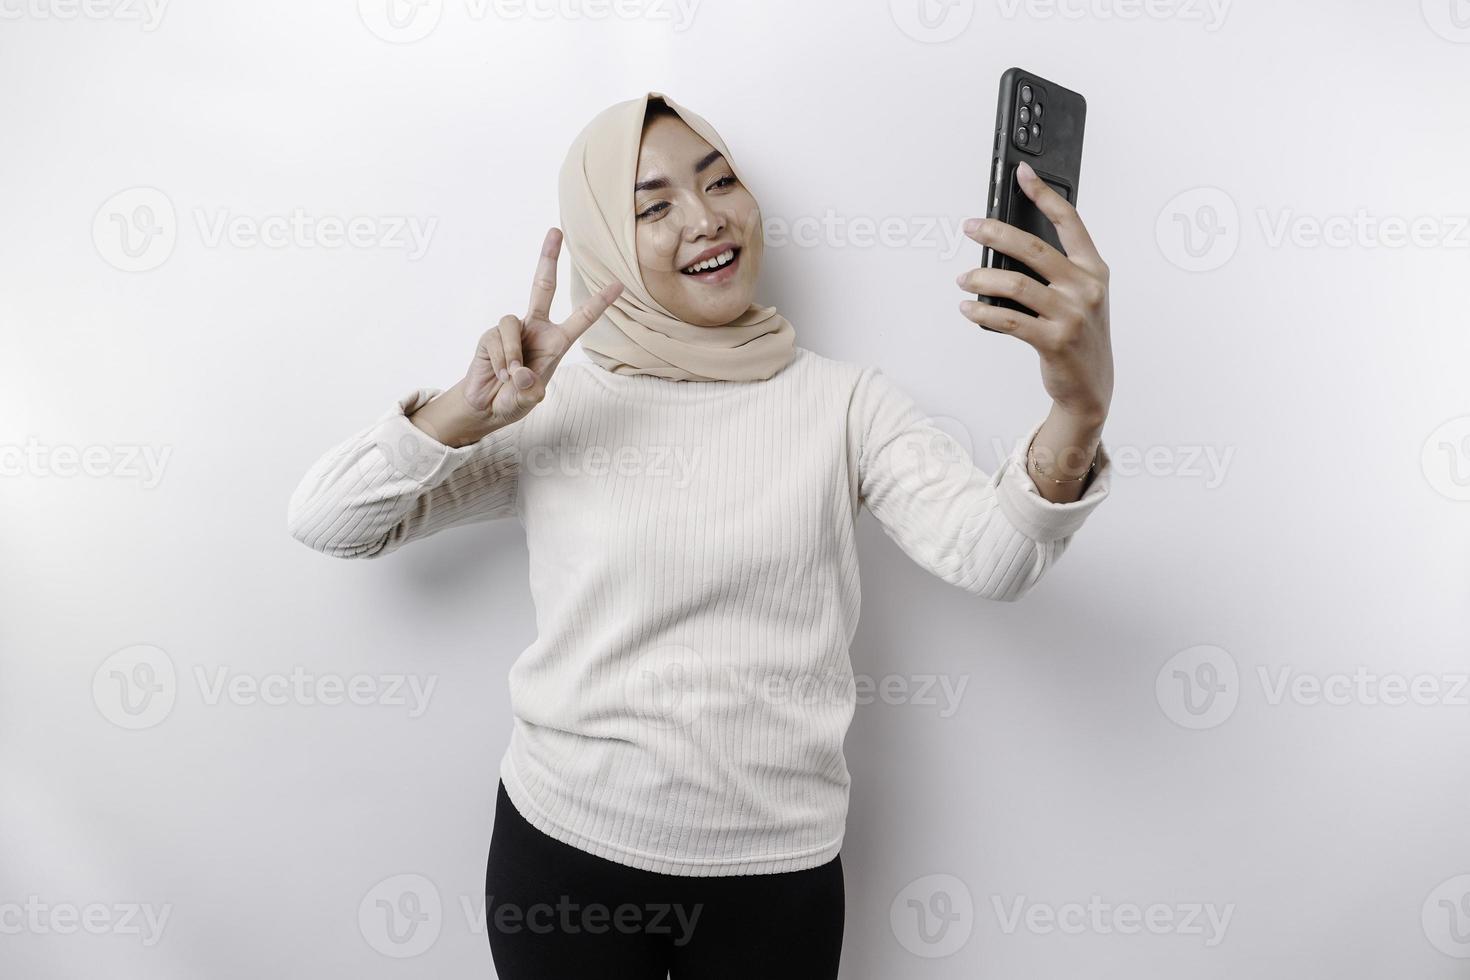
<point x="513" y="361"/>
<point x="516" y="358"/>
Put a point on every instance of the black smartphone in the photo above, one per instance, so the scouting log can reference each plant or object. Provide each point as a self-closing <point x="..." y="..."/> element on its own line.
<point x="1038" y="121"/>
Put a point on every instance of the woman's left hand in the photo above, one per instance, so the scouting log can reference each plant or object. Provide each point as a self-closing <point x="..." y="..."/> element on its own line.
<point x="1070" y="326"/>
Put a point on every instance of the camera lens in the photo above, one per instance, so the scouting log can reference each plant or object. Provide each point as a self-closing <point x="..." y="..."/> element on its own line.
<point x="1037" y="109"/>
<point x="1025" y="115"/>
<point x="1036" y="131"/>
<point x="1021" y="136"/>
<point x="1025" y="93"/>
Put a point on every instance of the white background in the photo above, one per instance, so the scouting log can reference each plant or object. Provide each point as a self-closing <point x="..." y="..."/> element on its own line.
<point x="1326" y="381"/>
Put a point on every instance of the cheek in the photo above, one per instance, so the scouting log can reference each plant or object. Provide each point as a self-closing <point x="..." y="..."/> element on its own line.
<point x="656" y="248"/>
<point x="748" y="215"/>
<point x="755" y="238"/>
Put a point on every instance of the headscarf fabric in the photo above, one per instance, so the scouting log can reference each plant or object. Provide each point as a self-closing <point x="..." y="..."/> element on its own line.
<point x="636" y="335"/>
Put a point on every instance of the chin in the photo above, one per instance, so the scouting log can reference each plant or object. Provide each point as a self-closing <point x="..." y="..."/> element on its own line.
<point x="691" y="306"/>
<point x="720" y="314"/>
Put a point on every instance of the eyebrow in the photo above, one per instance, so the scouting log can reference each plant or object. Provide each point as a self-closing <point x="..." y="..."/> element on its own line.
<point x="658" y="183"/>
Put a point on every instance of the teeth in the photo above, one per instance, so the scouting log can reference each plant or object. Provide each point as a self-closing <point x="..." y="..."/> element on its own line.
<point x="724" y="258"/>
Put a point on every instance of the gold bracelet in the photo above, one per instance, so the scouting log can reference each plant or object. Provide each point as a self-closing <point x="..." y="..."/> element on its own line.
<point x="1032" y="461"/>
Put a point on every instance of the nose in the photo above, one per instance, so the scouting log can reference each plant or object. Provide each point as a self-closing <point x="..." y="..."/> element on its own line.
<point x="704" y="220"/>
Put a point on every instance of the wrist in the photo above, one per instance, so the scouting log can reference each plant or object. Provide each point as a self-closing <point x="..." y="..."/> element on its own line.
<point x="1064" y="451"/>
<point x="450" y="420"/>
<point x="1072" y="467"/>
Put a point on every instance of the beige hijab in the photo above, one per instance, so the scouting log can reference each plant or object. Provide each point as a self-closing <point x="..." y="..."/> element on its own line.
<point x="636" y="335"/>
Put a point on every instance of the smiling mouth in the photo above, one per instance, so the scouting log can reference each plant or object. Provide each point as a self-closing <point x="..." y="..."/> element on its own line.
<point x="710" y="268"/>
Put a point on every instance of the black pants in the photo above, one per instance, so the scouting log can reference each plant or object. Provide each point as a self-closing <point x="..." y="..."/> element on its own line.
<point x="556" y="912"/>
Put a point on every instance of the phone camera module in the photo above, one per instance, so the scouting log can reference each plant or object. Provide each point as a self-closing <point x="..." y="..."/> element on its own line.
<point x="1025" y="115"/>
<point x="1025" y="93"/>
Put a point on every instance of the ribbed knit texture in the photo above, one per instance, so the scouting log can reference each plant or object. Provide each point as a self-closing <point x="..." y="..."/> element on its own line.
<point x="693" y="564"/>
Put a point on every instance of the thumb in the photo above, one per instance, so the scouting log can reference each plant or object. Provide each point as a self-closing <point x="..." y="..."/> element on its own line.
<point x="528" y="385"/>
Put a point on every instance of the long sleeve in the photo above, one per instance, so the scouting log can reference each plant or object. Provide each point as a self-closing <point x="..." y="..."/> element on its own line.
<point x="990" y="534"/>
<point x="685" y="528"/>
<point x="392" y="482"/>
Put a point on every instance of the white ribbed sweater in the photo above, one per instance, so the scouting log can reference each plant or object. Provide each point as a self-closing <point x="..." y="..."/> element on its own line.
<point x="694" y="570"/>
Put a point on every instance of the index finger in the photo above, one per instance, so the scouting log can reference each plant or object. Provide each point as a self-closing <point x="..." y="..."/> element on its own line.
<point x="1025" y="247"/>
<point x="1063" y="216"/>
<point x="543" y="284"/>
<point x="587" y="314"/>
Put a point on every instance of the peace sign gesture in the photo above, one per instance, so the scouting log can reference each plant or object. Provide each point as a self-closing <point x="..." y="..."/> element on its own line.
<point x="515" y="358"/>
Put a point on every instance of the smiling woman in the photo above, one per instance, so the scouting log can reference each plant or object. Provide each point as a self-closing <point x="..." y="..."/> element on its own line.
<point x="651" y="198"/>
<point x="667" y="748"/>
<point x="699" y="228"/>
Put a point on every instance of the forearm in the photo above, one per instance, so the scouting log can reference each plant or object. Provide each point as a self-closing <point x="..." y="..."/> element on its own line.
<point x="1064" y="446"/>
<point x="395" y="481"/>
<point x="450" y="420"/>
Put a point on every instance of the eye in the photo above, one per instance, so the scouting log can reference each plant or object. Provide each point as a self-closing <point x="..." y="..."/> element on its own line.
<point x="661" y="206"/>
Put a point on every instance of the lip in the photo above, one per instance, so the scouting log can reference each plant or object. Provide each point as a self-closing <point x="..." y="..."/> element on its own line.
<point x="720" y="276"/>
<point x="709" y="253"/>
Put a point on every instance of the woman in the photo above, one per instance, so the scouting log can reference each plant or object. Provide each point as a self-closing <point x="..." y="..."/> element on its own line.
<point x="674" y="795"/>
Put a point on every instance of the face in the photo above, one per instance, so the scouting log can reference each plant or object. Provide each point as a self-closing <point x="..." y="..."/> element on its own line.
<point x="695" y="206"/>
